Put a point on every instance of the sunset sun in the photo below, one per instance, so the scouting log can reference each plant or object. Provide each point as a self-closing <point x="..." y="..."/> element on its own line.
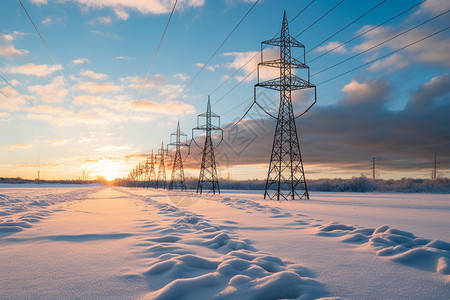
<point x="106" y="168"/>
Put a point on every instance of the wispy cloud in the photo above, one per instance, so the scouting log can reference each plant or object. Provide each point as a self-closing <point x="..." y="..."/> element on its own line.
<point x="330" y="46"/>
<point x="94" y="87"/>
<point x="93" y="75"/>
<point x="31" y="69"/>
<point x="47" y="21"/>
<point x="121" y="7"/>
<point x="18" y="146"/>
<point x="80" y="60"/>
<point x="124" y="57"/>
<point x="54" y="92"/>
<point x="7" y="49"/>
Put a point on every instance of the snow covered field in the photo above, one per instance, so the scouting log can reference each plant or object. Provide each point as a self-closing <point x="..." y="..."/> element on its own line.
<point x="104" y="242"/>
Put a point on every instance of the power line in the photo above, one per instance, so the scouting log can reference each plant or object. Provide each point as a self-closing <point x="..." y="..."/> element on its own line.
<point x="384" y="56"/>
<point x="1" y="92"/>
<point x="59" y="67"/>
<point x="238" y="70"/>
<point x="367" y="31"/>
<point x="217" y="50"/>
<point x="381" y="43"/>
<point x="154" y="57"/>
<point x="333" y="8"/>
<point x="16" y="90"/>
<point x="346" y="26"/>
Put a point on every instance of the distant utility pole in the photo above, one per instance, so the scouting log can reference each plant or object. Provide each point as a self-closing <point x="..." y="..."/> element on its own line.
<point x="161" y="180"/>
<point x="434" y="172"/>
<point x="208" y="171"/>
<point x="177" y="179"/>
<point x="39" y="168"/>
<point x="373" y="168"/>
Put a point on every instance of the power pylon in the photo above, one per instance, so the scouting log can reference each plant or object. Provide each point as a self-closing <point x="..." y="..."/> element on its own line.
<point x="286" y="177"/>
<point x="208" y="171"/>
<point x="161" y="180"/>
<point x="177" y="179"/>
<point x="151" y="174"/>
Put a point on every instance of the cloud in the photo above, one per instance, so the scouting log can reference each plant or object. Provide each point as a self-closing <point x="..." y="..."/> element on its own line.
<point x="390" y="64"/>
<point x="12" y="101"/>
<point x="371" y="91"/>
<point x="330" y="46"/>
<point x="110" y="148"/>
<point x="105" y="20"/>
<point x="211" y="68"/>
<point x="121" y="14"/>
<point x="168" y="107"/>
<point x="93" y="75"/>
<point x="31" y="69"/>
<point x="249" y="61"/>
<point x="104" y="33"/>
<point x="7" y="49"/>
<point x="124" y="57"/>
<point x="437" y="55"/>
<point x="352" y="131"/>
<point x="54" y="92"/>
<point x="121" y="7"/>
<point x="157" y="83"/>
<point x="435" y="6"/>
<point x="49" y="110"/>
<point x="18" y="146"/>
<point x="181" y="76"/>
<point x="80" y="60"/>
<point x="57" y="142"/>
<point x="47" y="21"/>
<point x="94" y="87"/>
<point x="81" y="100"/>
<point x="59" y="116"/>
<point x="39" y="2"/>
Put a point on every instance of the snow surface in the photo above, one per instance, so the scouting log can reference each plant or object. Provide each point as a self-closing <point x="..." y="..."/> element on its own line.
<point x="103" y="242"/>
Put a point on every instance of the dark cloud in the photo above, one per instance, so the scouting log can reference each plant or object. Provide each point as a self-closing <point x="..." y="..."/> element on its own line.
<point x="348" y="134"/>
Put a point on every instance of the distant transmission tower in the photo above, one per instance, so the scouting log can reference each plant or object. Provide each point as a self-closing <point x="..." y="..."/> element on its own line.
<point x="374" y="173"/>
<point x="151" y="174"/>
<point x="177" y="179"/>
<point x="208" y="173"/>
<point x="286" y="178"/>
<point x="161" y="180"/>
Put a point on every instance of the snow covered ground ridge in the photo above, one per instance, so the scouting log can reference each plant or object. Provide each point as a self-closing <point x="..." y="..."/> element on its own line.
<point x="178" y="268"/>
<point x="21" y="208"/>
<point x="398" y="245"/>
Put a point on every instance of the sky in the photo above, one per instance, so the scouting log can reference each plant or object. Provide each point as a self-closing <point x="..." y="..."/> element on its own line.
<point x="83" y="104"/>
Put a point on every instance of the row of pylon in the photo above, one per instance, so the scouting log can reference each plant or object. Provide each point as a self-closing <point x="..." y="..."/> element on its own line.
<point x="144" y="174"/>
<point x="286" y="177"/>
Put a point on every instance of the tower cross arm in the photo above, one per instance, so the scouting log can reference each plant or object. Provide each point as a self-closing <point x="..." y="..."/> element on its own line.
<point x="278" y="63"/>
<point x="278" y="84"/>
<point x="278" y="42"/>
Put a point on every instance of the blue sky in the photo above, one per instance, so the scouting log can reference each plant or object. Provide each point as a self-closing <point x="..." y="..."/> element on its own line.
<point x="105" y="48"/>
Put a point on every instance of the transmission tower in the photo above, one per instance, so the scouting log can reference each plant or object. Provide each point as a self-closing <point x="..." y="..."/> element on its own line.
<point x="151" y="174"/>
<point x="161" y="180"/>
<point x="177" y="179"/>
<point x="286" y="177"/>
<point x="208" y="173"/>
<point x="374" y="173"/>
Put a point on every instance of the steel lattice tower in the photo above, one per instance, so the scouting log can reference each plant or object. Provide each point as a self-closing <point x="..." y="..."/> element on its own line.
<point x="161" y="180"/>
<point x="208" y="171"/>
<point x="151" y="174"/>
<point x="286" y="177"/>
<point x="177" y="179"/>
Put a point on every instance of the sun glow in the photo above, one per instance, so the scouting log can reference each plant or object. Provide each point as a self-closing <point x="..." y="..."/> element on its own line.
<point x="107" y="168"/>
